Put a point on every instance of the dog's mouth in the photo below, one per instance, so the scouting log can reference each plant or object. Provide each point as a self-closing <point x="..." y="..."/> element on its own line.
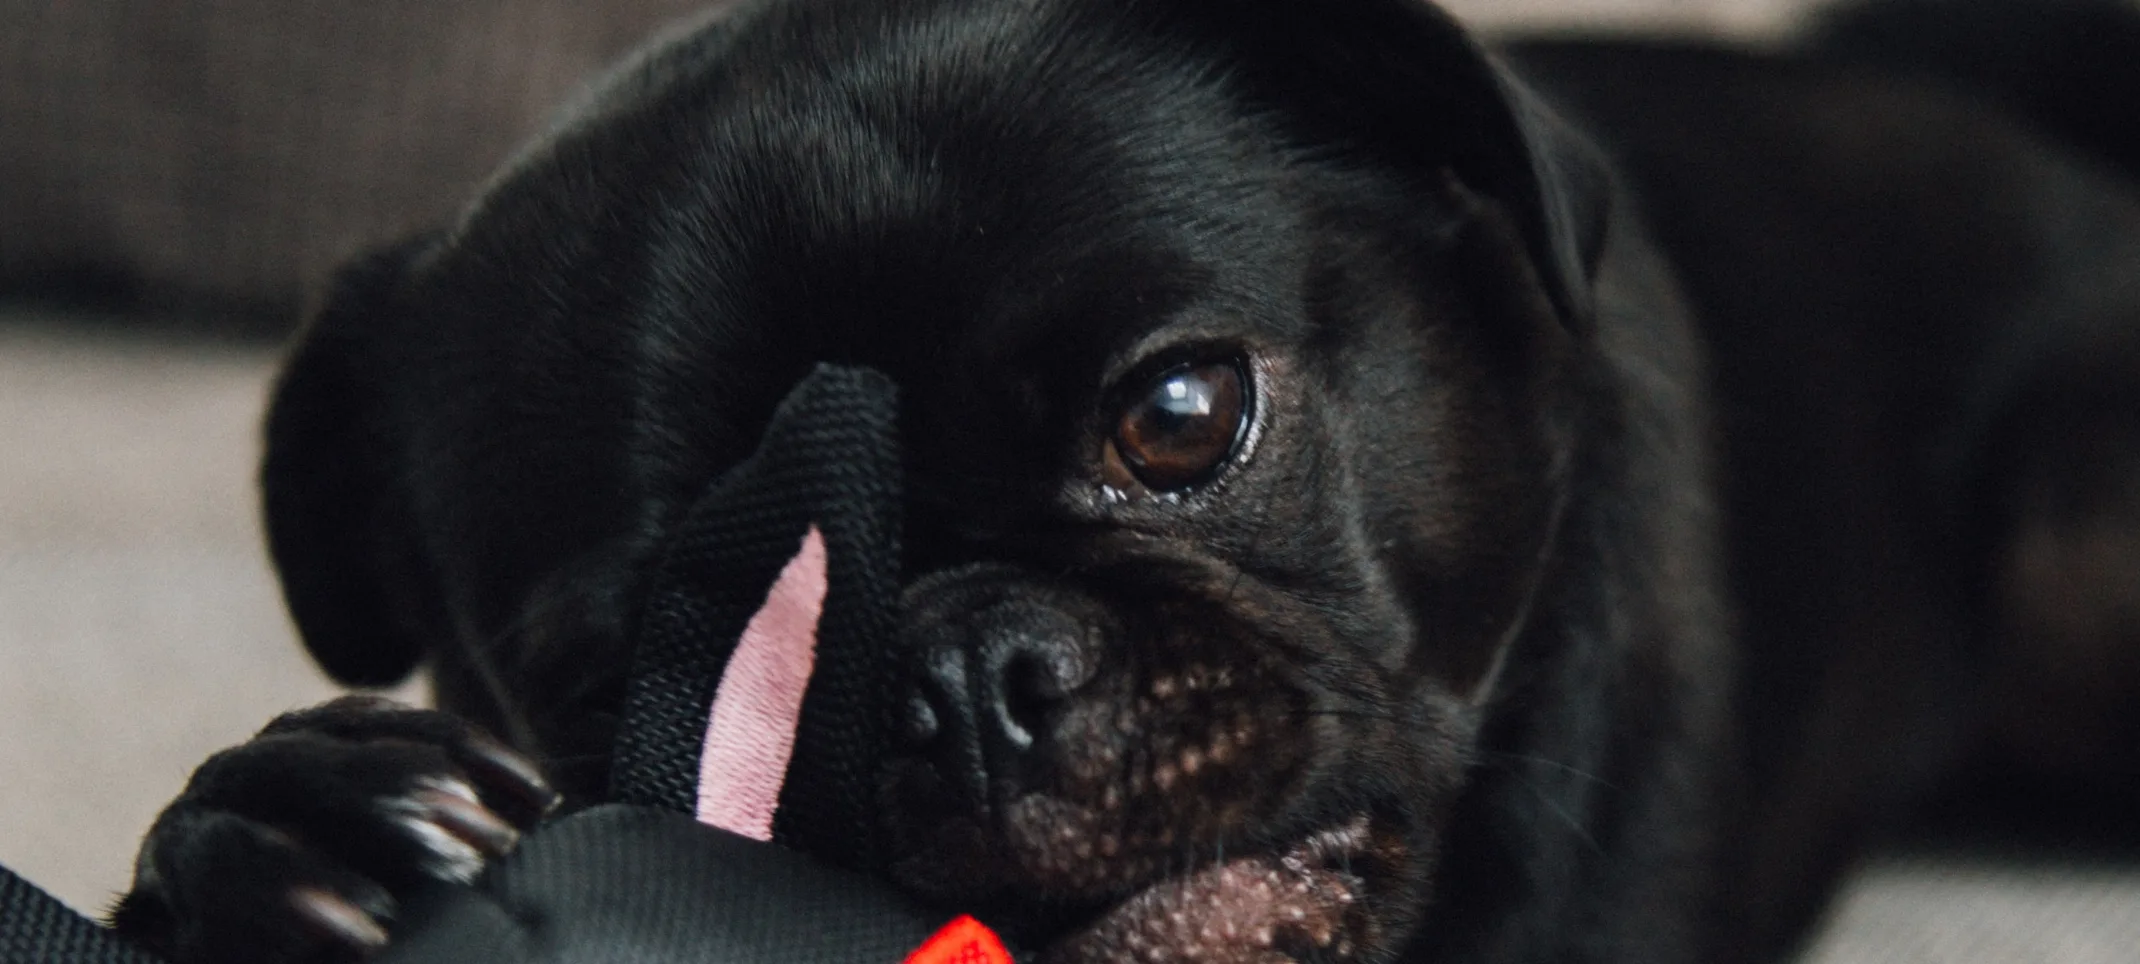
<point x="1305" y="903"/>
<point x="1083" y="897"/>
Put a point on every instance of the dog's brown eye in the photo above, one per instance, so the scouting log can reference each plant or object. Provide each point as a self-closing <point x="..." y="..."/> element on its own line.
<point x="1180" y="429"/>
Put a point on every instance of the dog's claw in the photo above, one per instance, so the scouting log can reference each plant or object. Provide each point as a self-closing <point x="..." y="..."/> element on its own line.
<point x="524" y="793"/>
<point x="338" y="918"/>
<point x="469" y="821"/>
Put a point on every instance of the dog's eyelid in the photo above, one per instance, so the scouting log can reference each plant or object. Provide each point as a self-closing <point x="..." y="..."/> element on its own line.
<point x="1177" y="345"/>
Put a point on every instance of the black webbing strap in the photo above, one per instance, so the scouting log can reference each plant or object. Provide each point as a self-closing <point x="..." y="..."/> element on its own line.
<point x="829" y="458"/>
<point x="37" y="929"/>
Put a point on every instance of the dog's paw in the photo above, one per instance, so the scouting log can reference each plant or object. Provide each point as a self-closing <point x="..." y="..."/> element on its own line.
<point x="297" y="845"/>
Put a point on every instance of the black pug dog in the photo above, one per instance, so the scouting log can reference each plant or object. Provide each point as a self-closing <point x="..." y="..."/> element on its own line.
<point x="1301" y="426"/>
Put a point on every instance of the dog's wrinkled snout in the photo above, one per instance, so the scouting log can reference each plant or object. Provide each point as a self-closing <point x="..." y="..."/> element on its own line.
<point x="990" y="683"/>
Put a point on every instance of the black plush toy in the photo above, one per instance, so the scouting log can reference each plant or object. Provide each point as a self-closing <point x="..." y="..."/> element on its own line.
<point x="759" y="697"/>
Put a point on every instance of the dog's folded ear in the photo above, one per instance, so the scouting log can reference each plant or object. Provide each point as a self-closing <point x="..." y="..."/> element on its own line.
<point x="353" y="574"/>
<point x="1401" y="81"/>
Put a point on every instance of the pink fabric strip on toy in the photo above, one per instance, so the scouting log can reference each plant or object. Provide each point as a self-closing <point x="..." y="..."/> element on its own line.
<point x="750" y="733"/>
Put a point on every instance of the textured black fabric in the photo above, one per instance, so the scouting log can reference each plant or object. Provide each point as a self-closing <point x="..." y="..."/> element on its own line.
<point x="36" y="929"/>
<point x="629" y="885"/>
<point x="830" y="458"/>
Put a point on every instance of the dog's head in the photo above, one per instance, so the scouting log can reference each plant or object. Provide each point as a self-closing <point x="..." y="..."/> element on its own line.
<point x="1234" y="341"/>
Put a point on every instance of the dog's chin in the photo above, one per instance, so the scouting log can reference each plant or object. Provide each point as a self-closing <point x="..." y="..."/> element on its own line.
<point x="1053" y="877"/>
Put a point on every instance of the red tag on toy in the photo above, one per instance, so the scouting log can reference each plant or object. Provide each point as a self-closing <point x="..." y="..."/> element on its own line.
<point x="963" y="941"/>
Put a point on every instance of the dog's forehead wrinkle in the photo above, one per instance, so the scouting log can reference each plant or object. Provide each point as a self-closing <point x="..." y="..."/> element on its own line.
<point x="862" y="196"/>
<point x="942" y="88"/>
<point x="883" y="262"/>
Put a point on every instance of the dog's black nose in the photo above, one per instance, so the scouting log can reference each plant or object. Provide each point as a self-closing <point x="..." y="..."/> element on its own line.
<point x="989" y="685"/>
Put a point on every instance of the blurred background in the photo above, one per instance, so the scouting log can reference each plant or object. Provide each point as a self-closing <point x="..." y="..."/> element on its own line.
<point x="178" y="177"/>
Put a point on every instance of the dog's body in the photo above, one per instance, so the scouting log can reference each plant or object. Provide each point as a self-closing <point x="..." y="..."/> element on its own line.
<point x="1923" y="334"/>
<point x="1432" y="580"/>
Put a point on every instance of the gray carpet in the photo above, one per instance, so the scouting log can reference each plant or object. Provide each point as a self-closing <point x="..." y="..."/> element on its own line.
<point x="140" y="630"/>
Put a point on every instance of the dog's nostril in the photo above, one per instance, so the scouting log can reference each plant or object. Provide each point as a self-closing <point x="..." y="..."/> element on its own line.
<point x="919" y="723"/>
<point x="1034" y="668"/>
<point x="1029" y="689"/>
<point x="938" y="701"/>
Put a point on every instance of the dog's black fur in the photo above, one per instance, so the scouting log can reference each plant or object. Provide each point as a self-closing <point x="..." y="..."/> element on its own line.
<point x="1922" y="327"/>
<point x="1461" y="595"/>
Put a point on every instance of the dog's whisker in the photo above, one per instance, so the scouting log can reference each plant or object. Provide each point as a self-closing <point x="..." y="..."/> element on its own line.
<point x="1378" y="716"/>
<point x="1559" y="813"/>
<point x="1542" y="761"/>
<point x="1240" y="572"/>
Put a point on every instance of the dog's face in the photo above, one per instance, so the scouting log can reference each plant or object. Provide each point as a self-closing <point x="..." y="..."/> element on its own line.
<point x="1233" y="342"/>
<point x="1217" y="564"/>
